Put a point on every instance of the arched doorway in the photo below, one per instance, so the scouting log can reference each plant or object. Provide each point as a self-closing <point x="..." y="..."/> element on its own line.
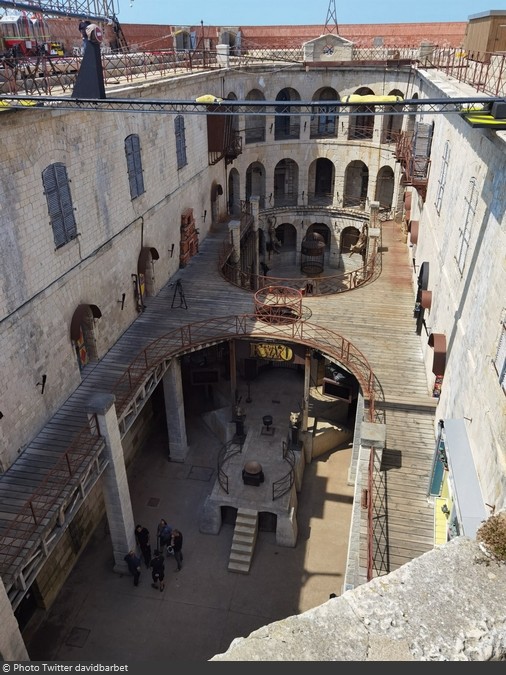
<point x="287" y="126"/>
<point x="216" y="193"/>
<point x="356" y="182"/>
<point x="361" y="124"/>
<point x="385" y="188"/>
<point x="234" y="185"/>
<point x="82" y="333"/>
<point x="255" y="182"/>
<point x="324" y="124"/>
<point x="254" y="125"/>
<point x="321" y="182"/>
<point x="286" y="180"/>
<point x="146" y="272"/>
<point x="392" y="121"/>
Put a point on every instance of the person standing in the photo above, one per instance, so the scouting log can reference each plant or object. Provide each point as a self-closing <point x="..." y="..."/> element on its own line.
<point x="177" y="546"/>
<point x="134" y="566"/>
<point x="158" y="570"/>
<point x="142" y="537"/>
<point x="163" y="534"/>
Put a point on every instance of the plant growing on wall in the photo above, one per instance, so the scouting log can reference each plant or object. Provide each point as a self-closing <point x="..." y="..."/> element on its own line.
<point x="492" y="536"/>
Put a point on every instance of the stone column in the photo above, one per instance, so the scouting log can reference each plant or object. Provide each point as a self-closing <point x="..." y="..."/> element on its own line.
<point x="305" y="404"/>
<point x="12" y="647"/>
<point x="234" y="227"/>
<point x="174" y="412"/>
<point x="373" y="232"/>
<point x="255" y="211"/>
<point x="118" y="504"/>
<point x="233" y="371"/>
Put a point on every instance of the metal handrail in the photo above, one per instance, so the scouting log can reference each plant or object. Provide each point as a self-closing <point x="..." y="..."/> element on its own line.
<point x="283" y="485"/>
<point x="226" y="453"/>
<point x="484" y="71"/>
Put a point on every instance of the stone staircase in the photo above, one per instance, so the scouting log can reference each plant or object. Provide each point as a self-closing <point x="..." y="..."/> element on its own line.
<point x="243" y="541"/>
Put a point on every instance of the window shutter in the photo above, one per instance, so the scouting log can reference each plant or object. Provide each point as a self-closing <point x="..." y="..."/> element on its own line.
<point x="67" y="210"/>
<point x="129" y="151"/>
<point x="180" y="141"/>
<point x="59" y="203"/>
<point x="137" y="162"/>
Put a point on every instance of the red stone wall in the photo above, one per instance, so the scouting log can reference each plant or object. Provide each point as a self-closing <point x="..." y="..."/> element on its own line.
<point x="153" y="37"/>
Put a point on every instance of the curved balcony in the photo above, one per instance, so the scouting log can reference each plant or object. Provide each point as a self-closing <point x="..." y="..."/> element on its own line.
<point x="283" y="267"/>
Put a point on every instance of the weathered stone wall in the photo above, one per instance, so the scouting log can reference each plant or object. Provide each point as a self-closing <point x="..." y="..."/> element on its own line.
<point x="447" y="605"/>
<point x="54" y="573"/>
<point x="468" y="299"/>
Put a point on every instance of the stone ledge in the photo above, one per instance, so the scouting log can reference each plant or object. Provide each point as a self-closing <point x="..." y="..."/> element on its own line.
<point x="446" y="605"/>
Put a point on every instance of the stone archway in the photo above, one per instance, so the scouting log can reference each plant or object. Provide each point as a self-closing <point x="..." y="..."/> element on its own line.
<point x="82" y="333"/>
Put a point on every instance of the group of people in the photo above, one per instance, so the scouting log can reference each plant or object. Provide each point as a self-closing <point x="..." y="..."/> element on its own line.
<point x="169" y="541"/>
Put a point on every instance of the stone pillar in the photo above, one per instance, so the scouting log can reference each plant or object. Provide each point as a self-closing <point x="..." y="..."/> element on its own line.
<point x="255" y="211"/>
<point x="233" y="371"/>
<point x="118" y="504"/>
<point x="174" y="411"/>
<point x="374" y="220"/>
<point x="286" y="528"/>
<point x="373" y="231"/>
<point x="223" y="55"/>
<point x="12" y="647"/>
<point x="373" y="435"/>
<point x="234" y="227"/>
<point x="305" y="404"/>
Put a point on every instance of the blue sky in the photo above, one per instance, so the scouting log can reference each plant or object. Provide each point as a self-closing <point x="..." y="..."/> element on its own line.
<point x="297" y="12"/>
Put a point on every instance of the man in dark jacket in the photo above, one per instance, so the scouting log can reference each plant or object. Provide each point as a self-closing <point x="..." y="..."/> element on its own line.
<point x="177" y="546"/>
<point x="158" y="573"/>
<point x="134" y="566"/>
<point x="142" y="537"/>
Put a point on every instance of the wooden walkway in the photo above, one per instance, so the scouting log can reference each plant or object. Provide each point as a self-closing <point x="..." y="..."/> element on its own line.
<point x="377" y="318"/>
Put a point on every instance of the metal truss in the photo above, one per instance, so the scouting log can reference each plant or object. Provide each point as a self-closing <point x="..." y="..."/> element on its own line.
<point x="221" y="107"/>
<point x="99" y="10"/>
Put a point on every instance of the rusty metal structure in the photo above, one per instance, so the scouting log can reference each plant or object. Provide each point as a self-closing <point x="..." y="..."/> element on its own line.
<point x="278" y="304"/>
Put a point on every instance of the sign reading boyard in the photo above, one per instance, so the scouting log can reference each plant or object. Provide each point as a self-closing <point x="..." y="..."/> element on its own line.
<point x="271" y="351"/>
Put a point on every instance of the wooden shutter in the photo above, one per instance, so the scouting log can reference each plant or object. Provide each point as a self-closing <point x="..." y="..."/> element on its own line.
<point x="59" y="203"/>
<point x="134" y="165"/>
<point x="180" y="141"/>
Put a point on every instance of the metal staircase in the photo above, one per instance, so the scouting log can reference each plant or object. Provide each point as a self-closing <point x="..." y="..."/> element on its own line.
<point x="243" y="542"/>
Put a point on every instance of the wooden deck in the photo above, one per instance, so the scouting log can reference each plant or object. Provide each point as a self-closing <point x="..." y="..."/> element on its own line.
<point x="377" y="318"/>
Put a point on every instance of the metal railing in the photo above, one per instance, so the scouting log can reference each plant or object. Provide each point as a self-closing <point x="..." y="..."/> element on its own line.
<point x="40" y="511"/>
<point x="485" y="72"/>
<point x="283" y="485"/>
<point x="228" y="451"/>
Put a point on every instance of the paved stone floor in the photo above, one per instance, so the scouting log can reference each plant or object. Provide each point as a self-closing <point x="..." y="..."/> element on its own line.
<point x="100" y="615"/>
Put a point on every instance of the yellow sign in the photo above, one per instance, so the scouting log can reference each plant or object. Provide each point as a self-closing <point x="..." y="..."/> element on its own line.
<point x="271" y="351"/>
